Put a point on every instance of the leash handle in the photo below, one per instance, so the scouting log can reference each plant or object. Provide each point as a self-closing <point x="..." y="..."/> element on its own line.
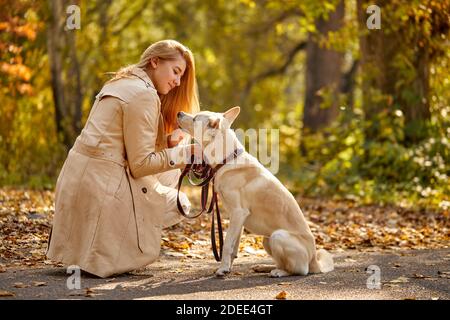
<point x="204" y="196"/>
<point x="180" y="180"/>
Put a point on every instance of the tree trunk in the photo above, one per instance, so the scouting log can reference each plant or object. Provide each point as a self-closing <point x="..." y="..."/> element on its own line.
<point x="323" y="75"/>
<point x="417" y="109"/>
<point x="378" y="50"/>
<point x="67" y="94"/>
<point x="74" y="84"/>
<point x="383" y="81"/>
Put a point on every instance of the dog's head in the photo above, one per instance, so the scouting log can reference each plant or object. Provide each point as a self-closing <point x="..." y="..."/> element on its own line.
<point x="205" y="125"/>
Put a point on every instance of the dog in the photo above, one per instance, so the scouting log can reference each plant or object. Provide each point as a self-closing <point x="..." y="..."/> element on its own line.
<point x="254" y="199"/>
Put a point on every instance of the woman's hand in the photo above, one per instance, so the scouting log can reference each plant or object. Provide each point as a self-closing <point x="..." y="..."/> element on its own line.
<point x="175" y="138"/>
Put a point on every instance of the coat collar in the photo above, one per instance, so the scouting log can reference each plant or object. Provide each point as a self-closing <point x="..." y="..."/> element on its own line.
<point x="141" y="74"/>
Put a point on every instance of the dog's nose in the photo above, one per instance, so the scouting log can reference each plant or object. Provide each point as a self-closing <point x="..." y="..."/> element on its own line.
<point x="180" y="114"/>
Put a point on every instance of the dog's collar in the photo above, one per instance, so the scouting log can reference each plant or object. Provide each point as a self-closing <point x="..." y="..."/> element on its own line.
<point x="236" y="153"/>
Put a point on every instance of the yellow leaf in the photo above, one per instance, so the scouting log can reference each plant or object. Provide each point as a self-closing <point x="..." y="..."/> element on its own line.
<point x="4" y="293"/>
<point x="281" y="296"/>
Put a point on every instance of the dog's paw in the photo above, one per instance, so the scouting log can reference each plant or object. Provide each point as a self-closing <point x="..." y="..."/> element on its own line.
<point x="278" y="273"/>
<point x="222" y="271"/>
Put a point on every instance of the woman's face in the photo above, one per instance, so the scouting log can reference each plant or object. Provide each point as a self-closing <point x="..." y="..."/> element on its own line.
<point x="166" y="74"/>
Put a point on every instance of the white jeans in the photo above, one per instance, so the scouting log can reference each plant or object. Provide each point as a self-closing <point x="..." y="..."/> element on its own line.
<point x="169" y="184"/>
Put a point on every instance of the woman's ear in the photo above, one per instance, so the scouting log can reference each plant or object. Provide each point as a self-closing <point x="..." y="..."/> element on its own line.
<point x="232" y="114"/>
<point x="154" y="62"/>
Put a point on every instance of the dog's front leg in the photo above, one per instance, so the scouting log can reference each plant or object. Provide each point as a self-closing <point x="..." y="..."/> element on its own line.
<point x="237" y="219"/>
<point x="236" y="246"/>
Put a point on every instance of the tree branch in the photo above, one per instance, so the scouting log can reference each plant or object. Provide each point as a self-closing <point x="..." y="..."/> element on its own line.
<point x="264" y="27"/>
<point x="273" y="71"/>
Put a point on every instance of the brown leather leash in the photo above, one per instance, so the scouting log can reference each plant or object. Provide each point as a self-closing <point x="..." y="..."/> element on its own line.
<point x="206" y="174"/>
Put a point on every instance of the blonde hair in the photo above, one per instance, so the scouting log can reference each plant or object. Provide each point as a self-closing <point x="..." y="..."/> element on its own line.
<point x="181" y="98"/>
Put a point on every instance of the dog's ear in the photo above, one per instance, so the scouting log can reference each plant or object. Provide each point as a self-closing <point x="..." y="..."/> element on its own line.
<point x="232" y="114"/>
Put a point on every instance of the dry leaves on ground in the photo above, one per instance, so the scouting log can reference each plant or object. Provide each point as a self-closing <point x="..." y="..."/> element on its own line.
<point x="25" y="220"/>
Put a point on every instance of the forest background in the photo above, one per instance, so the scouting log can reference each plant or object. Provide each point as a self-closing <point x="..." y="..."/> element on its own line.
<point x="363" y="114"/>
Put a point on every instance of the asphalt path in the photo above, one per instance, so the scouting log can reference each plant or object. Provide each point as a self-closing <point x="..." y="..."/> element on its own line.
<point x="395" y="275"/>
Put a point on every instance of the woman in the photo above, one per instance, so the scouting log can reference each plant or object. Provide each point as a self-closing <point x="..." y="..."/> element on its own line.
<point x="116" y="190"/>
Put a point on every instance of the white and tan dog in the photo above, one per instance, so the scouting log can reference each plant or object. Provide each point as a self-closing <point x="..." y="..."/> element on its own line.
<point x="255" y="199"/>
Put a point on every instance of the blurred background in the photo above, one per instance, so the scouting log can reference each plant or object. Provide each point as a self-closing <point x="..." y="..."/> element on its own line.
<point x="363" y="113"/>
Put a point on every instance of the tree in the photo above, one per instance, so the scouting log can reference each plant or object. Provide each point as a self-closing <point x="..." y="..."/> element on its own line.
<point x="395" y="63"/>
<point x="323" y="73"/>
<point x="65" y="73"/>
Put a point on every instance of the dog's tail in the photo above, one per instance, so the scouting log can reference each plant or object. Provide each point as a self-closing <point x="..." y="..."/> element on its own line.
<point x="322" y="262"/>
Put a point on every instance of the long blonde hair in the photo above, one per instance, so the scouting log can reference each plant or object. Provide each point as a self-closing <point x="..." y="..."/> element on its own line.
<point x="181" y="98"/>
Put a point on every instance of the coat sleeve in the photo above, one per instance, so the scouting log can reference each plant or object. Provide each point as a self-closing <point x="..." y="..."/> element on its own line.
<point x="140" y="129"/>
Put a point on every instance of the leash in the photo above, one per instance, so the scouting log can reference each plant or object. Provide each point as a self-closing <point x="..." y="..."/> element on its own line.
<point x="206" y="174"/>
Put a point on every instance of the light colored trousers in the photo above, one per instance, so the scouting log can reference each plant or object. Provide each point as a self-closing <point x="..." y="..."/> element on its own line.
<point x="169" y="184"/>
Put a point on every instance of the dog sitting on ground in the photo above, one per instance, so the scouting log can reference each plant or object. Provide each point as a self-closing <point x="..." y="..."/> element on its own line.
<point x="254" y="199"/>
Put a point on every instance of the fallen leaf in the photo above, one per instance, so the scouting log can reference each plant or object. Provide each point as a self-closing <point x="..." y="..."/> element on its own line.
<point x="178" y="270"/>
<point x="39" y="283"/>
<point x="284" y="283"/>
<point x="4" y="293"/>
<point x="20" y="285"/>
<point x="281" y="296"/>
<point x="90" y="293"/>
<point x="420" y="276"/>
<point x="399" y="280"/>
<point x="174" y="254"/>
<point x="195" y="256"/>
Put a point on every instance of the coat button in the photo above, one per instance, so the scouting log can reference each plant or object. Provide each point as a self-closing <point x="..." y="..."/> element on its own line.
<point x="171" y="163"/>
<point x="144" y="190"/>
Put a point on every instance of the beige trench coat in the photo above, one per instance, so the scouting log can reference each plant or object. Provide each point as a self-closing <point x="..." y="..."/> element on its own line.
<point x="109" y="204"/>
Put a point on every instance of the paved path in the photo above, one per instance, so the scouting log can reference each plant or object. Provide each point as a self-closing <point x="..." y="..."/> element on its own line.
<point x="418" y="274"/>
